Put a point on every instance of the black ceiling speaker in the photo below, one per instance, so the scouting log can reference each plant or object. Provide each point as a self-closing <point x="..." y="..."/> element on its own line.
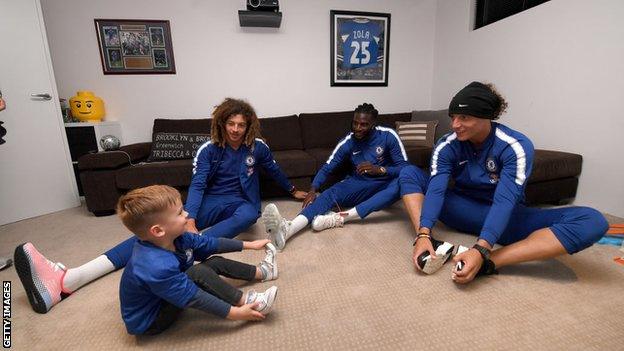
<point x="263" y="5"/>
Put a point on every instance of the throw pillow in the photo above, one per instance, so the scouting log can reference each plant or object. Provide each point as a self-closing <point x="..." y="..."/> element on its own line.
<point x="175" y="146"/>
<point x="444" y="121"/>
<point x="420" y="133"/>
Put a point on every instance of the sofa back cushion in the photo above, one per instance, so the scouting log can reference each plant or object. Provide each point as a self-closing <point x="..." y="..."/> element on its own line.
<point x="325" y="129"/>
<point x="196" y="126"/>
<point x="282" y="133"/>
<point x="389" y="119"/>
<point x="444" y="121"/>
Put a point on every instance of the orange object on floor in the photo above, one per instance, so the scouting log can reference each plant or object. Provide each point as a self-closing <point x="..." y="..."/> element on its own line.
<point x="619" y="260"/>
<point x="616" y="229"/>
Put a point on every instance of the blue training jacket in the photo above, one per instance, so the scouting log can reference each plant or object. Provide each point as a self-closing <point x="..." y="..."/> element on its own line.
<point x="382" y="148"/>
<point x="496" y="173"/>
<point x="154" y="275"/>
<point x="206" y="164"/>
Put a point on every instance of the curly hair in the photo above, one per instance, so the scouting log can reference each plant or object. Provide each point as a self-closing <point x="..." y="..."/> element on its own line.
<point x="502" y="107"/>
<point x="232" y="107"/>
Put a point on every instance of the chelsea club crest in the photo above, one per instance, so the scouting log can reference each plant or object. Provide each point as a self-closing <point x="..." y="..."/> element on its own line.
<point x="379" y="150"/>
<point x="490" y="164"/>
<point x="250" y="161"/>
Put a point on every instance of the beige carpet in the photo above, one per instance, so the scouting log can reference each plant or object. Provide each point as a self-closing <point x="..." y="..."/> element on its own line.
<point x="346" y="288"/>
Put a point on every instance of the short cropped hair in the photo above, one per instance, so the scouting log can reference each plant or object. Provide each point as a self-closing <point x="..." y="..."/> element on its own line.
<point x="367" y="109"/>
<point x="141" y="208"/>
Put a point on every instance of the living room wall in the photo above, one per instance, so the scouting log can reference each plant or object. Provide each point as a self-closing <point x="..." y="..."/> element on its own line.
<point x="280" y="71"/>
<point x="561" y="67"/>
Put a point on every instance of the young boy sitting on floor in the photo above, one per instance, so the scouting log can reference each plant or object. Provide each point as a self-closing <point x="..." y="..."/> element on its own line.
<point x="160" y="279"/>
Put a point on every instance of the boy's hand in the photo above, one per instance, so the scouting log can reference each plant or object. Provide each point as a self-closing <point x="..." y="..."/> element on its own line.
<point x="256" y="244"/>
<point x="245" y="313"/>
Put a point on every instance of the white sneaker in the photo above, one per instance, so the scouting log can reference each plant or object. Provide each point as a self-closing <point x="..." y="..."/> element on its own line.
<point x="329" y="220"/>
<point x="443" y="251"/>
<point x="275" y="225"/>
<point x="265" y="299"/>
<point x="270" y="262"/>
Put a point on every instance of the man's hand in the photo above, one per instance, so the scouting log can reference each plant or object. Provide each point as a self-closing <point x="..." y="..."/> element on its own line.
<point x="369" y="169"/>
<point x="309" y="198"/>
<point x="190" y="226"/>
<point x="472" y="263"/>
<point x="300" y="195"/>
<point x="422" y="245"/>
<point x="245" y="313"/>
<point x="256" y="244"/>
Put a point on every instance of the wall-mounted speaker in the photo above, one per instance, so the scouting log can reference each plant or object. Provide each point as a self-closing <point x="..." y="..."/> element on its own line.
<point x="260" y="18"/>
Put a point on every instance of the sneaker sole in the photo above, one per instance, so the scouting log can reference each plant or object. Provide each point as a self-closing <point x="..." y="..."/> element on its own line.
<point x="271" y="219"/>
<point x="270" y="301"/>
<point x="8" y="263"/>
<point x="23" y="266"/>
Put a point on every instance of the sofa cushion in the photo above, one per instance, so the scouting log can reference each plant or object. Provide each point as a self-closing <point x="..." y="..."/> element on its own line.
<point x="549" y="165"/>
<point x="295" y="163"/>
<point x="174" y="173"/>
<point x="197" y="125"/>
<point x="176" y="146"/>
<point x="419" y="156"/>
<point x="324" y="130"/>
<point x="417" y="133"/>
<point x="320" y="155"/>
<point x="444" y="121"/>
<point x="282" y="133"/>
<point x="389" y="119"/>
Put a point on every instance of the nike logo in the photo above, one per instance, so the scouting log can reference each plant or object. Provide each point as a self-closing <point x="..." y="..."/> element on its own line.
<point x="356" y="152"/>
<point x="462" y="162"/>
<point x="460" y="105"/>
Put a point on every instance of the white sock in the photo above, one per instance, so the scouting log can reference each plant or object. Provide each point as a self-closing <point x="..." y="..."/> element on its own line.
<point x="296" y="225"/>
<point x="88" y="272"/>
<point x="350" y="215"/>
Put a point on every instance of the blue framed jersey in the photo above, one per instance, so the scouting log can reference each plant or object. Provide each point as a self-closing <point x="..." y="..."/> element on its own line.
<point x="360" y="43"/>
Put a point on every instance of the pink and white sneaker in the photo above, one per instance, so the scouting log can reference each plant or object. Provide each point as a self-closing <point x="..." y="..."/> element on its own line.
<point x="42" y="279"/>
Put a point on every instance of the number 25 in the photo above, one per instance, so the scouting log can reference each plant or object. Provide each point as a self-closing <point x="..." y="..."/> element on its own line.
<point x="356" y="48"/>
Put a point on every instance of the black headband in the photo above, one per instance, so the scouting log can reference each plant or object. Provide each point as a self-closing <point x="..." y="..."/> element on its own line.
<point x="476" y="99"/>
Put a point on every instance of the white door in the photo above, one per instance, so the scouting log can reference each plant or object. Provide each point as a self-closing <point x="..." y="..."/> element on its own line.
<point x="35" y="167"/>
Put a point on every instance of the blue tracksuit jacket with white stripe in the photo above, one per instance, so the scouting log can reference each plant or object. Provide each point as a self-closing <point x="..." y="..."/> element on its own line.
<point x="382" y="148"/>
<point x="496" y="173"/>
<point x="206" y="164"/>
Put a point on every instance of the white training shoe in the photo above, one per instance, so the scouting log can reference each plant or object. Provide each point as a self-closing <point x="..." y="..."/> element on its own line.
<point x="269" y="264"/>
<point x="275" y="226"/>
<point x="265" y="299"/>
<point x="326" y="221"/>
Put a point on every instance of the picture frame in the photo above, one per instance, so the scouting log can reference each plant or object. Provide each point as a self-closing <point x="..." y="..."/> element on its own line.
<point x="360" y="43"/>
<point x="131" y="46"/>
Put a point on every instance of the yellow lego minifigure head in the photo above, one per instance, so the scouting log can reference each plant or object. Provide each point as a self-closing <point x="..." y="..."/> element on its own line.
<point x="87" y="107"/>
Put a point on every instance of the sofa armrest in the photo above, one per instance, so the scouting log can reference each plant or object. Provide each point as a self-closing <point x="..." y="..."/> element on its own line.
<point x="126" y="155"/>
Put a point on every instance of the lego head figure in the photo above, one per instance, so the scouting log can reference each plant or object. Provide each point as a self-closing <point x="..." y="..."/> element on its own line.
<point x="87" y="107"/>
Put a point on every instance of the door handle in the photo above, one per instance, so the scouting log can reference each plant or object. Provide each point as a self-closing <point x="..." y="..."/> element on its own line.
<point x="44" y="96"/>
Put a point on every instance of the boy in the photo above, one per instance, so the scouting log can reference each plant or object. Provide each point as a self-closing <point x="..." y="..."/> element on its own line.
<point x="160" y="278"/>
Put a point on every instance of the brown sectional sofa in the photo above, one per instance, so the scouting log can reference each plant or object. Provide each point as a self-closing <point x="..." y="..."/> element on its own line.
<point x="300" y="145"/>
